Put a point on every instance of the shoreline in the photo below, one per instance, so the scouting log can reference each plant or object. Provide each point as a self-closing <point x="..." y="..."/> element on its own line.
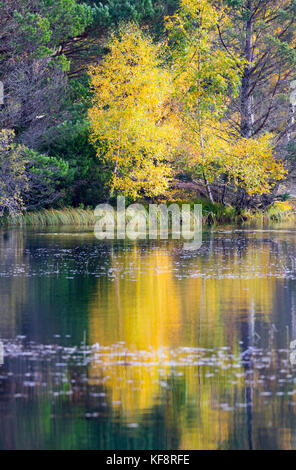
<point x="213" y="214"/>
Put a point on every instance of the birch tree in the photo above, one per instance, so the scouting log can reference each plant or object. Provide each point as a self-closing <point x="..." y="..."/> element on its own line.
<point x="207" y="78"/>
<point x="131" y="127"/>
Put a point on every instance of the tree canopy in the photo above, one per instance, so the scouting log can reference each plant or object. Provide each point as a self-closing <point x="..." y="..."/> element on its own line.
<point x="132" y="96"/>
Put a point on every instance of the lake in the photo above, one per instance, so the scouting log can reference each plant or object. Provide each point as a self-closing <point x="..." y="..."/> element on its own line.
<point x="142" y="345"/>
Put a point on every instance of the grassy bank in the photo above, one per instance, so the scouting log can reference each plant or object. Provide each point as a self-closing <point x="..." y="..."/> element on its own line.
<point x="217" y="213"/>
<point x="277" y="212"/>
<point x="51" y="217"/>
<point x="213" y="213"/>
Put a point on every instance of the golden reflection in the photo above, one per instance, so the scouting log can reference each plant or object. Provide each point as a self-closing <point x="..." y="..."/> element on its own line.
<point x="151" y="307"/>
<point x="149" y="304"/>
<point x="140" y="303"/>
<point x="144" y="312"/>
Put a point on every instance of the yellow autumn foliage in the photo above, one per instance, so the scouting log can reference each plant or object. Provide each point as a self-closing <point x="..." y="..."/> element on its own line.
<point x="146" y="120"/>
<point x="248" y="163"/>
<point x="251" y="163"/>
<point x="131" y="126"/>
<point x="207" y="77"/>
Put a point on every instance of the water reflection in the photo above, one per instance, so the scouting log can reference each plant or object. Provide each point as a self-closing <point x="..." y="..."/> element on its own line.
<point x="147" y="346"/>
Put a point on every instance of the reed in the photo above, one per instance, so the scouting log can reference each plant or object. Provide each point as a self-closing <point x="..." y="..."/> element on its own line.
<point x="213" y="213"/>
<point x="51" y="217"/>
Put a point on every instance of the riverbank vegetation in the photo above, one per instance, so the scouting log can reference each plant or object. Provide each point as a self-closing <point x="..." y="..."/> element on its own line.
<point x="50" y="217"/>
<point x="143" y="98"/>
<point x="212" y="213"/>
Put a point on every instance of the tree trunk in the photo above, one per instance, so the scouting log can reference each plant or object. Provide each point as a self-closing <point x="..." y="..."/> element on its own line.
<point x="247" y="117"/>
<point x="292" y="111"/>
<point x="291" y="121"/>
<point x="224" y="194"/>
<point x="208" y="188"/>
<point x="116" y="166"/>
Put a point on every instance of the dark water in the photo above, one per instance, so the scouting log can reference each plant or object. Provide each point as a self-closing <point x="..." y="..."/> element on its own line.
<point x="145" y="346"/>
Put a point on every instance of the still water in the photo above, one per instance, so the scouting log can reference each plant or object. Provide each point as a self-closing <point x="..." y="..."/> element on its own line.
<point x="145" y="346"/>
